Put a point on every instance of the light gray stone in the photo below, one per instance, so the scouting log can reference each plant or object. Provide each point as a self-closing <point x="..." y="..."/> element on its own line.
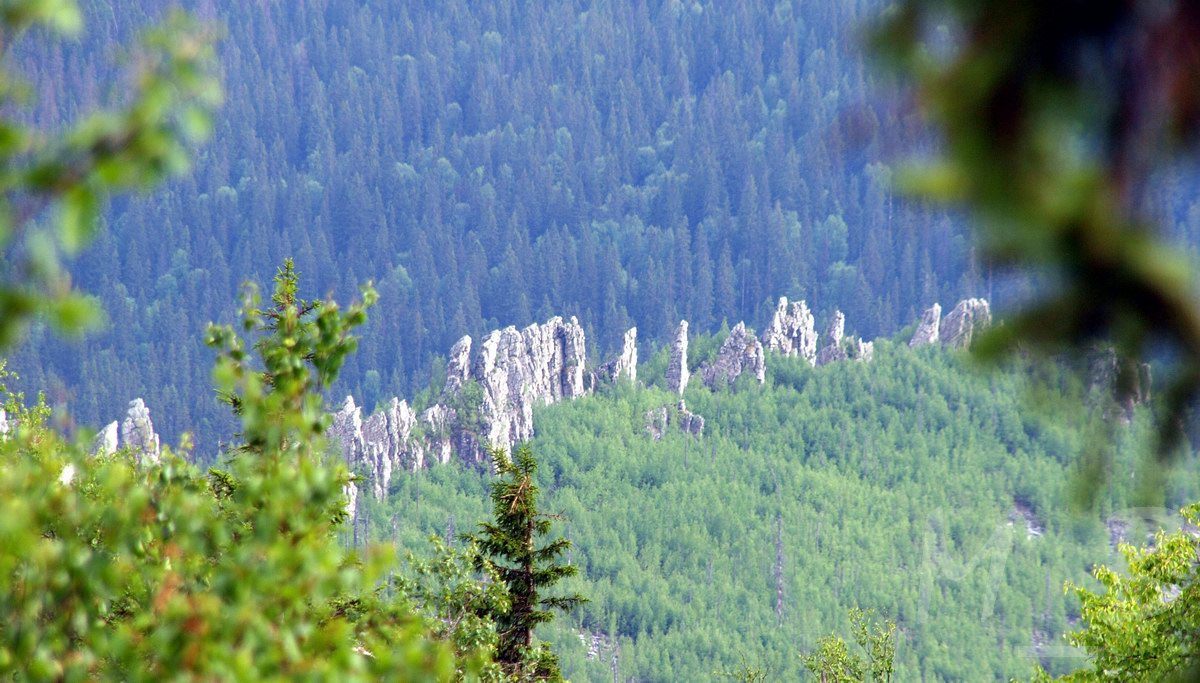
<point x="859" y="350"/>
<point x="792" y="331"/>
<point x="927" y="330"/>
<point x="458" y="367"/>
<point x="624" y="365"/>
<point x="137" y="433"/>
<point x="833" y="350"/>
<point x="959" y="325"/>
<point x="690" y="422"/>
<point x="741" y="352"/>
<point x="107" y="439"/>
<point x="677" y="369"/>
<point x="657" y="420"/>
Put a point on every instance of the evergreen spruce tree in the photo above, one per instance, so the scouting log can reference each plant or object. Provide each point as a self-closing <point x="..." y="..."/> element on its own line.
<point x="509" y="545"/>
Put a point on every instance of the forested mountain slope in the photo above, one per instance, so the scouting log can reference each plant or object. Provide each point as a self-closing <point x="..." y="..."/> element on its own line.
<point x="489" y="164"/>
<point x="912" y="484"/>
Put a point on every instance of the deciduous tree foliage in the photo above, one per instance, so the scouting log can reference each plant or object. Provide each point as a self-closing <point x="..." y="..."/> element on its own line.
<point x="115" y="570"/>
<point x="1144" y="622"/>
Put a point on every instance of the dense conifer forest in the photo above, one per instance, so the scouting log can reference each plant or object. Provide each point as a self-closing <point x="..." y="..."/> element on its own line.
<point x="485" y="165"/>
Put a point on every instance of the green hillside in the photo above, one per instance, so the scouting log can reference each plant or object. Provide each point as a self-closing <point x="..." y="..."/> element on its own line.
<point x="914" y="485"/>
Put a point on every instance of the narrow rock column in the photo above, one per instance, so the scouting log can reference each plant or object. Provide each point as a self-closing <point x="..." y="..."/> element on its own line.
<point x="677" y="370"/>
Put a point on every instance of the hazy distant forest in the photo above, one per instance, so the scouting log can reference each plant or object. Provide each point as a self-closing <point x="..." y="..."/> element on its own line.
<point x="488" y="164"/>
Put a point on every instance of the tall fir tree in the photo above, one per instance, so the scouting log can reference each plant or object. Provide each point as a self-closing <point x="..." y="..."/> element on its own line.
<point x="509" y="545"/>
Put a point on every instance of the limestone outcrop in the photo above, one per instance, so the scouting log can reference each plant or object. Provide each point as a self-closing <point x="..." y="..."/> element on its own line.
<point x="959" y="325"/>
<point x="677" y="369"/>
<point x="658" y="420"/>
<point x="690" y="422"/>
<point x="792" y="331"/>
<point x="741" y="352"/>
<point x="494" y="384"/>
<point x="458" y="366"/>
<point x="956" y="329"/>
<point x="379" y="445"/>
<point x="539" y="365"/>
<point x="488" y="400"/>
<point x="107" y="440"/>
<point x="833" y="351"/>
<point x="137" y="433"/>
<point x="927" y="330"/>
<point x="624" y="365"/>
<point x="859" y="350"/>
<point x="438" y="421"/>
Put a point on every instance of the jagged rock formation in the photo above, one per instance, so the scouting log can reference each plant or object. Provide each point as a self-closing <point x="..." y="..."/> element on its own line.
<point x="690" y="422"/>
<point x="659" y="419"/>
<point x="439" y="422"/>
<point x="955" y="329"/>
<point x="859" y="350"/>
<point x="137" y="432"/>
<point x="493" y="386"/>
<point x="677" y="369"/>
<point x="488" y="400"/>
<point x="107" y="439"/>
<point x="833" y="351"/>
<point x="541" y="364"/>
<point x="792" y="331"/>
<point x="927" y="330"/>
<point x="624" y="365"/>
<point x="959" y="325"/>
<point x="385" y="442"/>
<point x="741" y="352"/>
<point x="458" y="367"/>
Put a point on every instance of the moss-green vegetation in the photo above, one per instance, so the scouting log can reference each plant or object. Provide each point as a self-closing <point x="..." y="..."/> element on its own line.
<point x="913" y="485"/>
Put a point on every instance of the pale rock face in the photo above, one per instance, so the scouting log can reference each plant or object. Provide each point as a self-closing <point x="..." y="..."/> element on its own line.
<point x="792" y="331"/>
<point x="960" y="324"/>
<point x="657" y="420"/>
<point x="3" y="423"/>
<point x="515" y="371"/>
<point x="458" y="368"/>
<point x="677" y="369"/>
<point x="389" y="444"/>
<point x="540" y="365"/>
<point x="690" y="422"/>
<point x="833" y="351"/>
<point x="106" y="441"/>
<point x="741" y="352"/>
<point x="379" y="445"/>
<point x="859" y="350"/>
<point x="438" y="422"/>
<point x="624" y="365"/>
<point x="927" y="331"/>
<point x="137" y="433"/>
<point x="627" y="361"/>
